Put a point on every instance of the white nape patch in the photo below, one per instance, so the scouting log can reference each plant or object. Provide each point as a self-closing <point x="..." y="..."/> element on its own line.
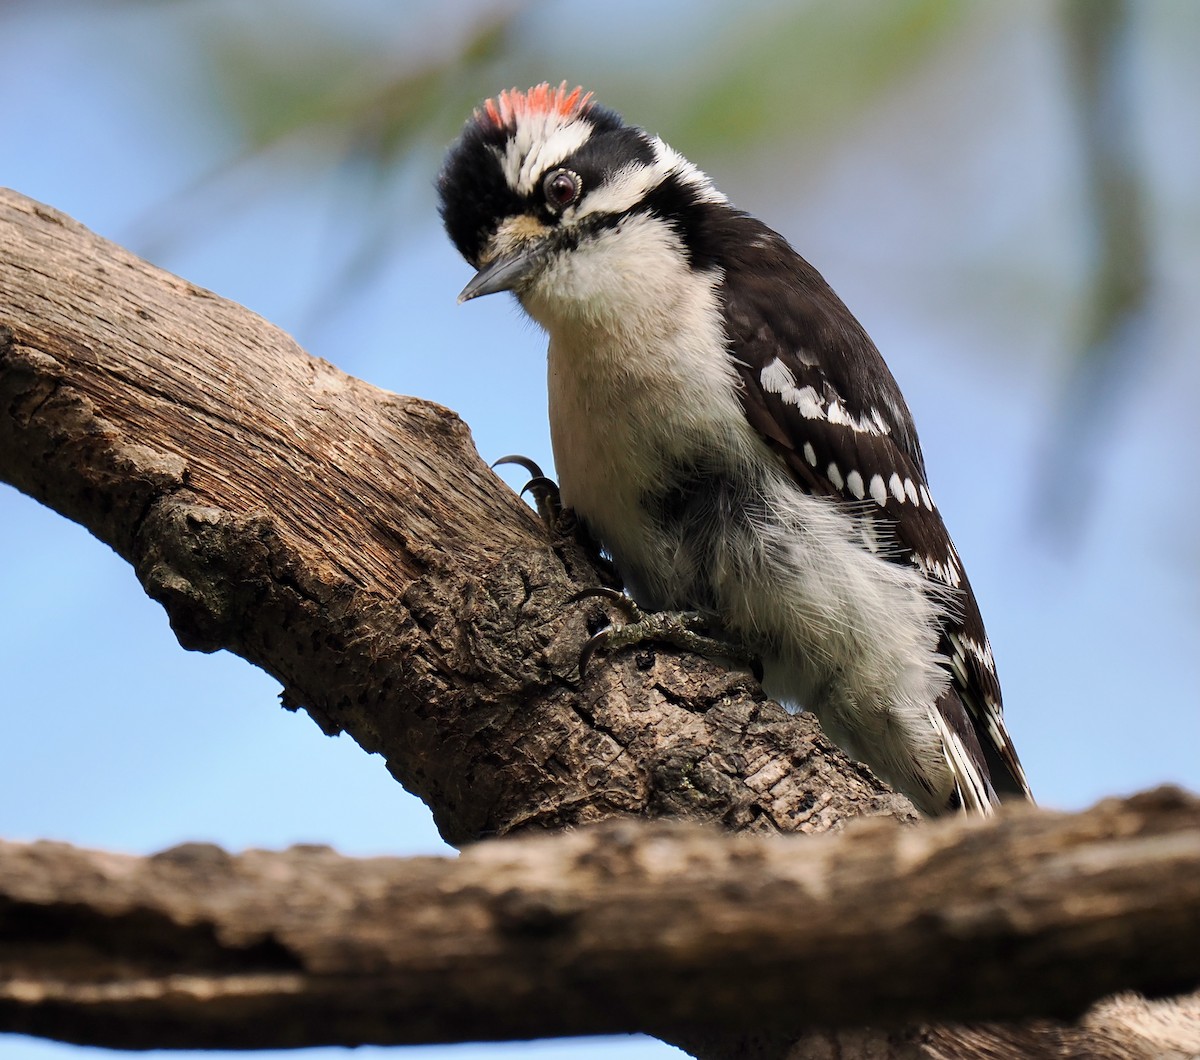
<point x="689" y="174"/>
<point x="854" y="483"/>
<point x="910" y="491"/>
<point x="810" y="454"/>
<point x="926" y="499"/>
<point x="973" y="789"/>
<point x="896" y="486"/>
<point x="541" y="140"/>
<point x="835" y="476"/>
<point x="625" y="188"/>
<point x="878" y="490"/>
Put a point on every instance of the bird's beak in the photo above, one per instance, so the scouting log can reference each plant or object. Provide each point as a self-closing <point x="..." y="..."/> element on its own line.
<point x="505" y="273"/>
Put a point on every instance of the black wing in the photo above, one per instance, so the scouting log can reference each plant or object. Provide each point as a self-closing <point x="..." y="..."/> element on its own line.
<point x="817" y="389"/>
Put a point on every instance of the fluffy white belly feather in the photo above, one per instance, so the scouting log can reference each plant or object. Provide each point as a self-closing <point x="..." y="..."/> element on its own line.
<point x="842" y="630"/>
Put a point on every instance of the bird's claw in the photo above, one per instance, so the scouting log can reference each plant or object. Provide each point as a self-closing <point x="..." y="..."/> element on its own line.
<point x="601" y="638"/>
<point x="613" y="596"/>
<point x="544" y="489"/>
<point x="531" y="466"/>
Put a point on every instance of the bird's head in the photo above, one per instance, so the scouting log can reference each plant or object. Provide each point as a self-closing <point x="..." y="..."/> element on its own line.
<point x="555" y="198"/>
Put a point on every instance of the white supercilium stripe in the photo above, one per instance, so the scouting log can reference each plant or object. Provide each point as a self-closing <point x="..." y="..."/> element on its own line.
<point x="624" y="189"/>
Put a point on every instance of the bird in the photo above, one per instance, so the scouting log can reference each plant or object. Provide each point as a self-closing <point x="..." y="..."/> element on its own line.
<point x="727" y="431"/>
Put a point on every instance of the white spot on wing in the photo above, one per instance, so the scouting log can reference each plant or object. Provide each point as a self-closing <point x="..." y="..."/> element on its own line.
<point x="835" y="476"/>
<point x="910" y="490"/>
<point x="982" y="652"/>
<point x="896" y="486"/>
<point x="810" y="454"/>
<point x="776" y="378"/>
<point x="948" y="573"/>
<point x="878" y="490"/>
<point x="838" y="414"/>
<point x="806" y="400"/>
<point x="854" y="483"/>
<point x="926" y="499"/>
<point x="871" y="424"/>
<point x="958" y="659"/>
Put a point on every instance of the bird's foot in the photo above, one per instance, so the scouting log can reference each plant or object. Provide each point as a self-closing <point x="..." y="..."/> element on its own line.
<point x="559" y="521"/>
<point x="689" y="630"/>
<point x="544" y="490"/>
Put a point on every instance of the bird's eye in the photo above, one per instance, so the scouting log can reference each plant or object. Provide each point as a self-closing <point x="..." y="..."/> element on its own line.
<point x="561" y="188"/>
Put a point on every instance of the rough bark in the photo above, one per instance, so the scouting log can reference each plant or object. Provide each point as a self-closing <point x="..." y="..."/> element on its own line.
<point x="352" y="543"/>
<point x="618" y="927"/>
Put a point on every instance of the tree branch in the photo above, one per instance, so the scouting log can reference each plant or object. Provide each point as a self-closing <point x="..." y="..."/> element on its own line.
<point x="618" y="927"/>
<point x="352" y="544"/>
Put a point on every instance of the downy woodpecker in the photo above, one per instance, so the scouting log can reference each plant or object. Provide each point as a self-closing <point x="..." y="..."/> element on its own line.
<point x="725" y="428"/>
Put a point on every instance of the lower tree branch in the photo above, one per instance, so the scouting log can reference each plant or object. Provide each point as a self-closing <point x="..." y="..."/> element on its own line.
<point x="618" y="927"/>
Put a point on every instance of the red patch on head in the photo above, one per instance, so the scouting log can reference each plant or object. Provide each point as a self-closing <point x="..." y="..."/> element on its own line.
<point x="512" y="105"/>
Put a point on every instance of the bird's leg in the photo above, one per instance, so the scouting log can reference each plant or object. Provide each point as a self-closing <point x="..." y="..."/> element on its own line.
<point x="689" y="630"/>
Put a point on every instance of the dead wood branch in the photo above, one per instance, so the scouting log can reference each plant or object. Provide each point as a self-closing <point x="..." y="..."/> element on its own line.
<point x="618" y="927"/>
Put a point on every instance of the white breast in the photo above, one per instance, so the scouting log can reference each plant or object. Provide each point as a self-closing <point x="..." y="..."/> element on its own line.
<point x="638" y="374"/>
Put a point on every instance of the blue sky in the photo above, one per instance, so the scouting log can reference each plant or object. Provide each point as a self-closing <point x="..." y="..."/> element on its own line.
<point x="947" y="214"/>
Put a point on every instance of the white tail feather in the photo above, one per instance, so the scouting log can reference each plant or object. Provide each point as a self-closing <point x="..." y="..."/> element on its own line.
<point x="974" y="791"/>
